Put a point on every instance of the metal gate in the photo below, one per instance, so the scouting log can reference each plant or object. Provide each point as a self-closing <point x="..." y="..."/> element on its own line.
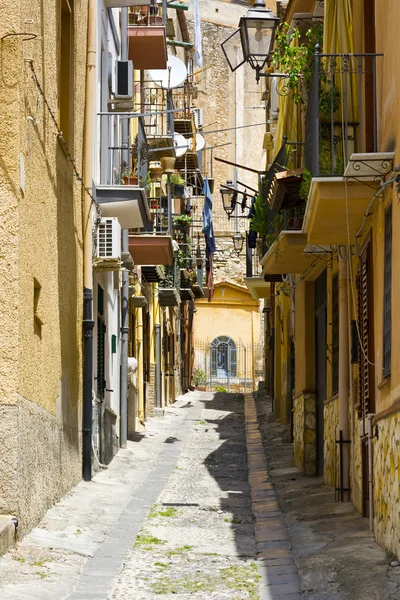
<point x="229" y="365"/>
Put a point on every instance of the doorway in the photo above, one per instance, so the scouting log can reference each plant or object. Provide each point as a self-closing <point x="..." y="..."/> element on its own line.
<point x="320" y="300"/>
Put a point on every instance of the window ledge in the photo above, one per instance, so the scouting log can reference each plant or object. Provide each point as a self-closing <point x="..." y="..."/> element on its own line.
<point x="385" y="382"/>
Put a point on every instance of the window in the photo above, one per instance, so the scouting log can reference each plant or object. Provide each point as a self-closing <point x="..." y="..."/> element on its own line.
<point x="387" y="294"/>
<point x="223" y="357"/>
<point x="65" y="79"/>
<point x="335" y="334"/>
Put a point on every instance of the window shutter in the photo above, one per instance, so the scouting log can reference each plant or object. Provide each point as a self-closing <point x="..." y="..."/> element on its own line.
<point x="365" y="314"/>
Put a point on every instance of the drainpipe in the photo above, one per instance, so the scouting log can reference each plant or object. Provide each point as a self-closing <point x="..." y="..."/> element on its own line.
<point x="370" y="473"/>
<point x="139" y="330"/>
<point x="344" y="367"/>
<point x="88" y="322"/>
<point x="157" y="328"/>
<point x="125" y="273"/>
<point x="352" y="399"/>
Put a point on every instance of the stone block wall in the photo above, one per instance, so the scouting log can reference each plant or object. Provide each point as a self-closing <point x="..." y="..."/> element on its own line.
<point x="151" y="391"/>
<point x="305" y="435"/>
<point x="298" y="432"/>
<point x="331" y="419"/>
<point x="387" y="484"/>
<point x="356" y="466"/>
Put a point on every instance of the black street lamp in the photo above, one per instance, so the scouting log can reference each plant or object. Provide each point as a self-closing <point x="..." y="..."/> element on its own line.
<point x="238" y="240"/>
<point x="257" y="31"/>
<point x="229" y="198"/>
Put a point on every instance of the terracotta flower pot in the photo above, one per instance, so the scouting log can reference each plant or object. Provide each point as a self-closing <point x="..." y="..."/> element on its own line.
<point x="131" y="180"/>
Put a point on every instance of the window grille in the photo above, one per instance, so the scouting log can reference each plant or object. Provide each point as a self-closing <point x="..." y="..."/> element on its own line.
<point x="387" y="294"/>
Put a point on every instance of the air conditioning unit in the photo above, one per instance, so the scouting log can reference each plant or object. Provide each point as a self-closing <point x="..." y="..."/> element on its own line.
<point x="124" y="79"/>
<point x="109" y="239"/>
<point x="198" y="117"/>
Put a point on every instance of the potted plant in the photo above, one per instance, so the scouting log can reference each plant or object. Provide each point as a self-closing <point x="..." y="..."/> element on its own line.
<point x="199" y="379"/>
<point x="177" y="185"/>
<point x="126" y="175"/>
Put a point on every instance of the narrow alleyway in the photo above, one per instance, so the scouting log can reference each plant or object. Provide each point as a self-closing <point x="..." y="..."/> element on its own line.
<point x="172" y="517"/>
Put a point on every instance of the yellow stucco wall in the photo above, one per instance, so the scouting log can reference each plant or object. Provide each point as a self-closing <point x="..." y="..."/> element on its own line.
<point x="232" y="312"/>
<point x="41" y="241"/>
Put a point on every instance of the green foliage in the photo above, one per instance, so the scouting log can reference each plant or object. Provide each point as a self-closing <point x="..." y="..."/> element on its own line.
<point x="183" y="220"/>
<point x="259" y="222"/>
<point x="305" y="185"/>
<point x="159" y="511"/>
<point x="176" y="179"/>
<point x="199" y="377"/>
<point x="221" y="388"/>
<point x="147" y="542"/>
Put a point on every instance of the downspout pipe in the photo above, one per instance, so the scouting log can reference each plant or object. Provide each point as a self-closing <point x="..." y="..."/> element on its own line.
<point x="370" y="473"/>
<point x="157" y="329"/>
<point x="88" y="323"/>
<point x="344" y="369"/>
<point x="125" y="273"/>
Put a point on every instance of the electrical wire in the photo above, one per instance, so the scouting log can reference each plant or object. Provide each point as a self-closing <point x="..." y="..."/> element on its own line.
<point x="60" y="134"/>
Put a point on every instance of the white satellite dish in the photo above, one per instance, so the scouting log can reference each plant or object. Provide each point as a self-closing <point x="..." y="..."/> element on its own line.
<point x="181" y="145"/>
<point x="200" y="142"/>
<point x="171" y="77"/>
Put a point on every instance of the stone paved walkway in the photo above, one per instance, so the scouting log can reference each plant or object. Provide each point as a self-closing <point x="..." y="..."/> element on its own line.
<point x="172" y="517"/>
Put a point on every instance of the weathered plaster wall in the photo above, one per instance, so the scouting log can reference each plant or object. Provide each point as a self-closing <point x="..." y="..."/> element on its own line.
<point x="41" y="241"/>
<point x="331" y="419"/>
<point x="386" y="477"/>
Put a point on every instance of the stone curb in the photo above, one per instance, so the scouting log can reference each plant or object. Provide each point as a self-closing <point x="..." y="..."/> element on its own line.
<point x="279" y="576"/>
<point x="8" y="532"/>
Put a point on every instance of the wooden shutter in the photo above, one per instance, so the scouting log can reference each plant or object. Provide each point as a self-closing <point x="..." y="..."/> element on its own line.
<point x="365" y="327"/>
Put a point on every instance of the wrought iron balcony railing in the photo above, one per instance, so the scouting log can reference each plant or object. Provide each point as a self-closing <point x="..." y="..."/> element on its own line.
<point x="341" y="114"/>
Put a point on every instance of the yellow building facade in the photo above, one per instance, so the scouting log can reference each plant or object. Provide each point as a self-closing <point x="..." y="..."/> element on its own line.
<point x="343" y="257"/>
<point x="41" y="239"/>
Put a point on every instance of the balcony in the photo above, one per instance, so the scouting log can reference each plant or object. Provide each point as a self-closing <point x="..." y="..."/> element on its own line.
<point x="121" y="174"/>
<point x="286" y="244"/>
<point x="148" y="249"/>
<point x="341" y="132"/>
<point x="254" y="280"/>
<point x="168" y="289"/>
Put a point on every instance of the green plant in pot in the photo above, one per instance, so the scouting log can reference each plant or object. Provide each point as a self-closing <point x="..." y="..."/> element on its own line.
<point x="177" y="185"/>
<point x="199" y="379"/>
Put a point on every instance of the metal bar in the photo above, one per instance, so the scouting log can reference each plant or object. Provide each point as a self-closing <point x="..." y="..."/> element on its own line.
<point x="180" y="44"/>
<point x="361" y="147"/>
<point x="346" y="105"/>
<point x="228" y="162"/>
<point x="133" y="115"/>
<point x="315" y="115"/>
<point x="374" y="101"/>
<point x="332" y="79"/>
<point x="176" y="6"/>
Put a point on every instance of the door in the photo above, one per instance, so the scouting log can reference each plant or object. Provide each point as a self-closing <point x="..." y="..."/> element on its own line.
<point x="320" y="364"/>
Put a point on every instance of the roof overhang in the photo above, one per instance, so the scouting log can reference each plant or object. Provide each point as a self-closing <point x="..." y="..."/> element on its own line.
<point x="257" y="287"/>
<point x="125" y="202"/>
<point x="335" y="210"/>
<point x="151" y="249"/>
<point x="286" y="254"/>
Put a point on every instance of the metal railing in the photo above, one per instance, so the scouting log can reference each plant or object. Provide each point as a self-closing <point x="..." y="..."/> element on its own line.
<point x="172" y="276"/>
<point x="341" y="112"/>
<point x="151" y="15"/>
<point x="123" y="150"/>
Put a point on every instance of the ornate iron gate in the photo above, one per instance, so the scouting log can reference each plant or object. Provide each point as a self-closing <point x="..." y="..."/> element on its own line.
<point x="230" y="365"/>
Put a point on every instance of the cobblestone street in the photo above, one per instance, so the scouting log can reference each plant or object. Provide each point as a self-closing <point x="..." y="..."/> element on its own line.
<point x="184" y="512"/>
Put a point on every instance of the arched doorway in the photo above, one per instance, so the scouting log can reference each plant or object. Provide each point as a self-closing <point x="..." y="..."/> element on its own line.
<point x="223" y="358"/>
